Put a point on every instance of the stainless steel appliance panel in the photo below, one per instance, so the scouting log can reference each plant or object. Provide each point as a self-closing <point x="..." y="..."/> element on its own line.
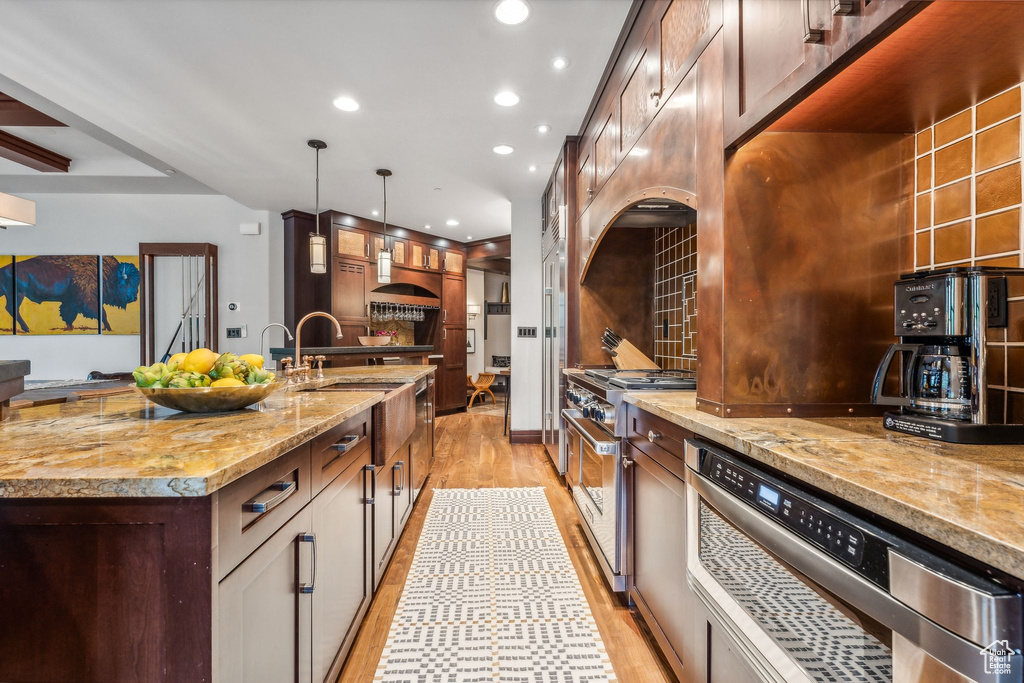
<point x="553" y="351"/>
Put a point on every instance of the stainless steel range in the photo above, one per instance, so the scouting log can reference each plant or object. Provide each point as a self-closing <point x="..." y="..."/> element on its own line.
<point x="595" y="425"/>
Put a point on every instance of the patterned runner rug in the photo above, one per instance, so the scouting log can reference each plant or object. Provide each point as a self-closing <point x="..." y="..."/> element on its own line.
<point x="492" y="596"/>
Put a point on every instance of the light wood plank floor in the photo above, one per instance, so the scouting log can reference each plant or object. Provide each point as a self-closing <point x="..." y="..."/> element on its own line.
<point x="472" y="453"/>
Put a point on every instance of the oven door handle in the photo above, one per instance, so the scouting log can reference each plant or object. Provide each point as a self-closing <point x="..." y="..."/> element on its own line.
<point x="591" y="433"/>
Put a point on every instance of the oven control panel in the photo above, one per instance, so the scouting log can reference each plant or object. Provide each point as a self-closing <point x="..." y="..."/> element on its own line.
<point x="807" y="520"/>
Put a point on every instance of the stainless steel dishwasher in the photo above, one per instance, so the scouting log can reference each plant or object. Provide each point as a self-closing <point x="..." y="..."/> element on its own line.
<point x="809" y="591"/>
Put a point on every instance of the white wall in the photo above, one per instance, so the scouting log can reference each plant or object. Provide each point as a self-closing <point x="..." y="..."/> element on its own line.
<point x="527" y="297"/>
<point x="250" y="269"/>
<point x="475" y="362"/>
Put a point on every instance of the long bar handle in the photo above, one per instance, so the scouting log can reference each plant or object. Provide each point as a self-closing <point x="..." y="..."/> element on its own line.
<point x="373" y="484"/>
<point x="260" y="505"/>
<point x="400" y="466"/>
<point x="811" y="35"/>
<point x="308" y="588"/>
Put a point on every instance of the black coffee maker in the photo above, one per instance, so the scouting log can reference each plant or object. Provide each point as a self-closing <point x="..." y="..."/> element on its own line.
<point x="945" y="320"/>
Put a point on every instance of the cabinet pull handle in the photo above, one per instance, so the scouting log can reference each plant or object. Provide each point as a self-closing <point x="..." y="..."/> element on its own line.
<point x="444" y="319"/>
<point x="811" y="35"/>
<point x="260" y="505"/>
<point x="308" y="588"/>
<point x="652" y="435"/>
<point x="400" y="466"/>
<point x="842" y="7"/>
<point x="367" y="250"/>
<point x="373" y="484"/>
<point x="430" y="408"/>
<point x="627" y="463"/>
<point x="445" y="333"/>
<point x="345" y="443"/>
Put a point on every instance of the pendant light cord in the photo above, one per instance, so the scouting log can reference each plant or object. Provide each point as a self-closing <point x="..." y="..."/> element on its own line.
<point x="316" y="209"/>
<point x="385" y="179"/>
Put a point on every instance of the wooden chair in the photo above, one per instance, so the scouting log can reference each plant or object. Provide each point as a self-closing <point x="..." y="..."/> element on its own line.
<point x="482" y="386"/>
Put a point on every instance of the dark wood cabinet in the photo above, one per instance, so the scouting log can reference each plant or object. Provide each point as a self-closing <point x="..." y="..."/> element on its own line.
<point x="453" y="301"/>
<point x="342" y="518"/>
<point x="454" y="261"/>
<point x="658" y="555"/>
<point x="773" y="49"/>
<point x="776" y="50"/>
<point x="264" y="619"/>
<point x="424" y="256"/>
<point x="350" y="286"/>
<point x="641" y="95"/>
<point x="352" y="243"/>
<point x="452" y="383"/>
<point x="584" y="179"/>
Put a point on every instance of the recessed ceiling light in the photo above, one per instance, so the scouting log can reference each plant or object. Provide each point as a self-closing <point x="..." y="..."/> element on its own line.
<point x="169" y="171"/>
<point x="532" y="168"/>
<point x="543" y="128"/>
<point x="511" y="12"/>
<point x="504" y="149"/>
<point x="346" y="103"/>
<point x="452" y="222"/>
<point x="469" y="237"/>
<point x="559" y="63"/>
<point x="427" y="226"/>
<point x="506" y="98"/>
<point x="375" y="212"/>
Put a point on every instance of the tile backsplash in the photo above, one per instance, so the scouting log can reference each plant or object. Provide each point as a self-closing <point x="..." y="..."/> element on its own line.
<point x="967" y="211"/>
<point x="675" y="302"/>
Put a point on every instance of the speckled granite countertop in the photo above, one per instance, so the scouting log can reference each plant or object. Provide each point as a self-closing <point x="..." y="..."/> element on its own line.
<point x="970" y="498"/>
<point x="279" y="352"/>
<point x="125" y="446"/>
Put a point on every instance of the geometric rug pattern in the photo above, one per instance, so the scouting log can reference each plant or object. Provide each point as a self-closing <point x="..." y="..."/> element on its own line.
<point x="492" y="596"/>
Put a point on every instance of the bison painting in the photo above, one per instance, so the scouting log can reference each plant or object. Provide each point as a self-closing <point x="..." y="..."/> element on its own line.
<point x="71" y="281"/>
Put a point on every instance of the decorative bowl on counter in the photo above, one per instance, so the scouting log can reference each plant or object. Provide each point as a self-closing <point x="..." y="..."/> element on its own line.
<point x="209" y="399"/>
<point x="382" y="340"/>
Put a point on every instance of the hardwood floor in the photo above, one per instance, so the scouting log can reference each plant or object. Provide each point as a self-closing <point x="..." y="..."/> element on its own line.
<point x="472" y="453"/>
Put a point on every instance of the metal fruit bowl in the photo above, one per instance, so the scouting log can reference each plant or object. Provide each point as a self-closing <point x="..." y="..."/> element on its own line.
<point x="209" y="399"/>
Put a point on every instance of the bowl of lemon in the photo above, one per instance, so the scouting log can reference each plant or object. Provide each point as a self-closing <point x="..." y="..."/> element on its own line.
<point x="204" y="381"/>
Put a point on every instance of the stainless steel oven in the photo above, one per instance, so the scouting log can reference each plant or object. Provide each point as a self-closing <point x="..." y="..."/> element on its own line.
<point x="808" y="591"/>
<point x="598" y="492"/>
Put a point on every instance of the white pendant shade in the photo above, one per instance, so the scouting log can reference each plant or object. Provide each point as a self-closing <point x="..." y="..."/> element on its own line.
<point x="16" y="211"/>
<point x="384" y="266"/>
<point x="317" y="253"/>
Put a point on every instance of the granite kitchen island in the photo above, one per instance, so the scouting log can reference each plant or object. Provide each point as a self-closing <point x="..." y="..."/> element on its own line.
<point x="230" y="535"/>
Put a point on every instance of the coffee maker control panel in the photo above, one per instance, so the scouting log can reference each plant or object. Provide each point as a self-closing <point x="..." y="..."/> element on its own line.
<point x="930" y="307"/>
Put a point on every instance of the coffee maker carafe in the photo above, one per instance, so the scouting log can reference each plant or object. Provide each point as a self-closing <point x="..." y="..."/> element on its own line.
<point x="944" y="319"/>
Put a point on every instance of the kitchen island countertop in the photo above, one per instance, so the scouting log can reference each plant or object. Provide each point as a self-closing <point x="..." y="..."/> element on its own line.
<point x="125" y="446"/>
<point x="970" y="498"/>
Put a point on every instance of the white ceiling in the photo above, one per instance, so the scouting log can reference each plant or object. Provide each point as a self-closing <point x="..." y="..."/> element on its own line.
<point x="227" y="93"/>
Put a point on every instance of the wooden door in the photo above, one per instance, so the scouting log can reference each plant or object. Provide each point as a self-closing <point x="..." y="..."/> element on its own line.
<point x="658" y="551"/>
<point x="639" y="102"/>
<point x="454" y="261"/>
<point x="350" y="288"/>
<point x="264" y="620"/>
<point x="399" y="251"/>
<point x="584" y="180"/>
<point x="453" y="346"/>
<point x="352" y="243"/>
<point x="342" y="521"/>
<point x="424" y="256"/>
<point x="383" y="520"/>
<point x="773" y="50"/>
<point x="453" y="301"/>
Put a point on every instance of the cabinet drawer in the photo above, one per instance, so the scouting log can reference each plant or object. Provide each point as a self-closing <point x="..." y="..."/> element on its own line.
<point x="333" y="450"/>
<point x="251" y="509"/>
<point x="666" y="446"/>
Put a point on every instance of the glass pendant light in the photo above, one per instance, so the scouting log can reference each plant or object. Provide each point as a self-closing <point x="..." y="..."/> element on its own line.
<point x="384" y="255"/>
<point x="317" y="242"/>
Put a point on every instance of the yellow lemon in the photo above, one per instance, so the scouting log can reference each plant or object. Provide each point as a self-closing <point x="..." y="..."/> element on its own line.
<point x="176" y="359"/>
<point x="253" y="359"/>
<point x="200" y="360"/>
<point x="228" y="382"/>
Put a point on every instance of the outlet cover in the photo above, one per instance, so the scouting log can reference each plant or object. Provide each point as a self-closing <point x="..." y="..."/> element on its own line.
<point x="234" y="333"/>
<point x="528" y="332"/>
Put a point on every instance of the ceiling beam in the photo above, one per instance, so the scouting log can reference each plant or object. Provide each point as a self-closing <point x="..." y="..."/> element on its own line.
<point x="32" y="155"/>
<point x="497" y="247"/>
<point x="16" y="113"/>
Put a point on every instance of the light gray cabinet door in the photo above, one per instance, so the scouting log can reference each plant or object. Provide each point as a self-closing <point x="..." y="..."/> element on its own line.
<point x="342" y="520"/>
<point x="264" y="620"/>
<point x="659" y="557"/>
<point x="719" y="659"/>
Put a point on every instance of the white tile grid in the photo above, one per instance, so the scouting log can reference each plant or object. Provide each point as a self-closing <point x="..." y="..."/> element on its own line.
<point x="492" y="595"/>
<point x="973" y="217"/>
